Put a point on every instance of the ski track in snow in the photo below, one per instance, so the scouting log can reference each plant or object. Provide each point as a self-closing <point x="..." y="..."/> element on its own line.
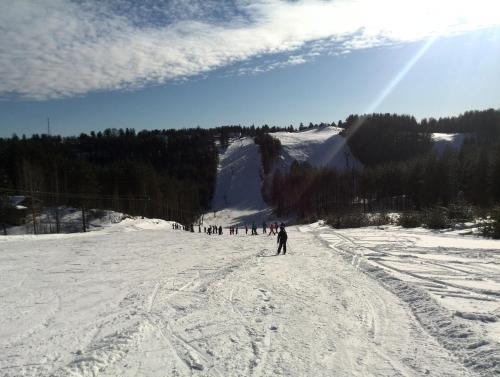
<point x="453" y="290"/>
<point x="154" y="301"/>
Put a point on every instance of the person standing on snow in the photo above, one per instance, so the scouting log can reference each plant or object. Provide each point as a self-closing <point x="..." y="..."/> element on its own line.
<point x="271" y="229"/>
<point x="254" y="229"/>
<point x="264" y="228"/>
<point x="282" y="238"/>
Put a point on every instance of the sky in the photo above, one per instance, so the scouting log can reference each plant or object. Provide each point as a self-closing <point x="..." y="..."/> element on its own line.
<point x="154" y="64"/>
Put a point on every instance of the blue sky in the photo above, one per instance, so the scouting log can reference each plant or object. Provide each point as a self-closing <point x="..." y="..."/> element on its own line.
<point x="170" y="64"/>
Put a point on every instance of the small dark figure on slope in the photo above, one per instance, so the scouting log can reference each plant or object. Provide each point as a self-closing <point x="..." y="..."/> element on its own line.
<point x="282" y="237"/>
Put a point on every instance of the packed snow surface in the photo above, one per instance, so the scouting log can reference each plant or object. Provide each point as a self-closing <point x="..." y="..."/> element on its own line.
<point x="451" y="283"/>
<point x="141" y="299"/>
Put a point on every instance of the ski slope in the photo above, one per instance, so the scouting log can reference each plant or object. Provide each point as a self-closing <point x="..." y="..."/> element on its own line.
<point x="138" y="298"/>
<point x="238" y="193"/>
<point x="450" y="282"/>
<point x="238" y="198"/>
<point x="141" y="299"/>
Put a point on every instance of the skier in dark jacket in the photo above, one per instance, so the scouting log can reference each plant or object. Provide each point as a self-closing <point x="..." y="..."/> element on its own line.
<point x="282" y="237"/>
<point x="254" y="229"/>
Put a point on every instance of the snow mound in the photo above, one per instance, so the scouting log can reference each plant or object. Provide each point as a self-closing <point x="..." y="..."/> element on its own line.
<point x="139" y="223"/>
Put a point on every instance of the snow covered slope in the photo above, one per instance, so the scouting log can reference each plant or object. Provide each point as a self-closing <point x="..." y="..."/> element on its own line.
<point x="238" y="199"/>
<point x="141" y="299"/>
<point x="238" y="177"/>
<point x="320" y="147"/>
<point x="451" y="283"/>
<point x="238" y="195"/>
<point x="443" y="141"/>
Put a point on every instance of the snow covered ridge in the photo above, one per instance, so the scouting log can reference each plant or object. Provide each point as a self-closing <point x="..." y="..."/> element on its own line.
<point x="451" y="284"/>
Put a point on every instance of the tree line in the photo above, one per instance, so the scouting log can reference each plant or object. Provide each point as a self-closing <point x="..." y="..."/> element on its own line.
<point x="171" y="174"/>
<point x="401" y="169"/>
<point x="164" y="174"/>
<point x="168" y="174"/>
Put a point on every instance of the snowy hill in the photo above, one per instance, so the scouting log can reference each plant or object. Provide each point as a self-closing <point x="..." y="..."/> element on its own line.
<point x="321" y="147"/>
<point x="138" y="298"/>
<point x="142" y="299"/>
<point x="238" y="194"/>
<point x="238" y="177"/>
<point x="238" y="198"/>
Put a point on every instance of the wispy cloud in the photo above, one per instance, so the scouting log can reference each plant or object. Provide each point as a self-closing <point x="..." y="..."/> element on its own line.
<point x="57" y="49"/>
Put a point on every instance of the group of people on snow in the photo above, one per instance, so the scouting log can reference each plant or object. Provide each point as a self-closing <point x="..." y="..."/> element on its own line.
<point x="212" y="229"/>
<point x="233" y="230"/>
